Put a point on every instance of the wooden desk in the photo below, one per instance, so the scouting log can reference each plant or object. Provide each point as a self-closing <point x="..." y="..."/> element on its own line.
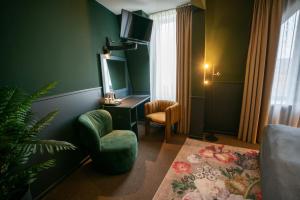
<point x="125" y="115"/>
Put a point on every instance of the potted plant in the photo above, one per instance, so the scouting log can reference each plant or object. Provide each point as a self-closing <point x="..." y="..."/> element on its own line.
<point x="19" y="140"/>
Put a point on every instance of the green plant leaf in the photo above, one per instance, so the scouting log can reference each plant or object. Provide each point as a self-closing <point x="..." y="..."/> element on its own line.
<point x="19" y="139"/>
<point x="11" y="101"/>
<point x="44" y="90"/>
<point x="42" y="123"/>
<point x="6" y="95"/>
<point x="49" y="146"/>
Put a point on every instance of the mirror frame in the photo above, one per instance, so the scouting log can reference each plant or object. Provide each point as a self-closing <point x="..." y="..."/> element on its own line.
<point x="120" y="93"/>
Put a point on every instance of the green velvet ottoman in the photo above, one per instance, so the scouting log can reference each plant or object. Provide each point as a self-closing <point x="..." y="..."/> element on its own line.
<point x="112" y="151"/>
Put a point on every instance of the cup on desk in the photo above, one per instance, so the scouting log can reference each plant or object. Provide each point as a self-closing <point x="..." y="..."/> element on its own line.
<point x="109" y="98"/>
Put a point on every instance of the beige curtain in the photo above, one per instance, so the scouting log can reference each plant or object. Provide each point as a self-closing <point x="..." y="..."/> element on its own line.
<point x="183" y="83"/>
<point x="260" y="68"/>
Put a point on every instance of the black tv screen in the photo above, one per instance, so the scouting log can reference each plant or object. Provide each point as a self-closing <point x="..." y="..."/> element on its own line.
<point x="135" y="27"/>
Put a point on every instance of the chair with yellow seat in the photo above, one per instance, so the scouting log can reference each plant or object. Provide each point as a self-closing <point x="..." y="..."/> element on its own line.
<point x="162" y="112"/>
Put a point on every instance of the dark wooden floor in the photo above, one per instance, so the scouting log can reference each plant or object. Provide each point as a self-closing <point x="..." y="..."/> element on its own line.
<point x="141" y="183"/>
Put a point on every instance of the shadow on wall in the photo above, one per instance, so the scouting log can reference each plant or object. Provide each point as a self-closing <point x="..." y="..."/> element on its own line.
<point x="139" y="69"/>
<point x="102" y="25"/>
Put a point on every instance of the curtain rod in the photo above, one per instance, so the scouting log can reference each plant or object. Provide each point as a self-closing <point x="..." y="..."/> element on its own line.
<point x="183" y="5"/>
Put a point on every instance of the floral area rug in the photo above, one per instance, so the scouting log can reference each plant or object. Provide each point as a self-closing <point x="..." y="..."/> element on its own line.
<point x="207" y="171"/>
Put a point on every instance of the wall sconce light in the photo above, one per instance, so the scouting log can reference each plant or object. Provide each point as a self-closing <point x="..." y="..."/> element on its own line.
<point x="206" y="71"/>
<point x="106" y="52"/>
<point x="215" y="74"/>
<point x="206" y="68"/>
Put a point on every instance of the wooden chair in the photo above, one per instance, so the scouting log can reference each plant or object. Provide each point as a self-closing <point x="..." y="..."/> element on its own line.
<point x="162" y="112"/>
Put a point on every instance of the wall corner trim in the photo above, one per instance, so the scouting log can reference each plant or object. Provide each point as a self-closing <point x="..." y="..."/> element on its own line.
<point x="68" y="94"/>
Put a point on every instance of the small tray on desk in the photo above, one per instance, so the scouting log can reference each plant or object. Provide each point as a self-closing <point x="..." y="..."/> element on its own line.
<point x="112" y="104"/>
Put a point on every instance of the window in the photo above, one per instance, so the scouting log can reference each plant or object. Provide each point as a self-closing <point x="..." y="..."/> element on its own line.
<point x="285" y="98"/>
<point x="286" y="77"/>
<point x="163" y="56"/>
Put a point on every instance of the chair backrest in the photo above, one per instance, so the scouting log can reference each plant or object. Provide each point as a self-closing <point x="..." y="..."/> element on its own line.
<point x="157" y="106"/>
<point x="164" y="104"/>
<point x="98" y="121"/>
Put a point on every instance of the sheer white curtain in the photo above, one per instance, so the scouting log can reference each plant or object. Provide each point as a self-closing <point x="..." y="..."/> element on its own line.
<point x="285" y="99"/>
<point x="163" y="56"/>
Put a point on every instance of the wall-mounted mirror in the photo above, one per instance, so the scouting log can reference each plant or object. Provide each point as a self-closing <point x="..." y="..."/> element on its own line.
<point x="115" y="76"/>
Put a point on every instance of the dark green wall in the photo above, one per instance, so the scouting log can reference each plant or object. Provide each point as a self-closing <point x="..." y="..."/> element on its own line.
<point x="57" y="40"/>
<point x="227" y="36"/>
<point x="227" y="32"/>
<point x="139" y="66"/>
<point x="139" y="69"/>
<point x="198" y="51"/>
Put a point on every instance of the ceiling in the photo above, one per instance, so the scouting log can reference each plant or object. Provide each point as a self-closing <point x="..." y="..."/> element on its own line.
<point x="148" y="6"/>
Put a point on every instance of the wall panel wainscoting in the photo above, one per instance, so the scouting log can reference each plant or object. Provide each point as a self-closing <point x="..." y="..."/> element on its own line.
<point x="64" y="127"/>
<point x="197" y="116"/>
<point x="223" y="102"/>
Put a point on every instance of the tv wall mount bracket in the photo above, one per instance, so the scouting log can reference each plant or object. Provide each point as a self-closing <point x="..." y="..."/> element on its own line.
<point x="118" y="46"/>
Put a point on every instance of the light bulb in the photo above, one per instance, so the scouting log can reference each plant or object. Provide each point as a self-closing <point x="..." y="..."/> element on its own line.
<point x="107" y="55"/>
<point x="206" y="66"/>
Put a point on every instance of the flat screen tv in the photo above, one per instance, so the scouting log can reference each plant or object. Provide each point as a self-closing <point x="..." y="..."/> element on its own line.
<point x="135" y="27"/>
